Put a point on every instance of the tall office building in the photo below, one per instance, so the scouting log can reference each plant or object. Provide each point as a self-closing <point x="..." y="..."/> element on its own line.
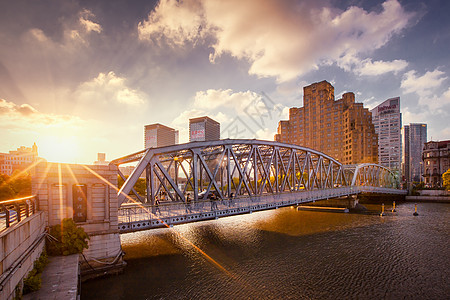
<point x="340" y="128"/>
<point x="415" y="137"/>
<point x="157" y="135"/>
<point x="387" y="120"/>
<point x="203" y="129"/>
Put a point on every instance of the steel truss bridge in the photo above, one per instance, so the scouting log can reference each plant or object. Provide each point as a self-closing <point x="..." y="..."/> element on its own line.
<point x="207" y="180"/>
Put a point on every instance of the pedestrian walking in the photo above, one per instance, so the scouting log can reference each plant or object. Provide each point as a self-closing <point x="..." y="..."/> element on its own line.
<point x="157" y="211"/>
<point x="213" y="200"/>
<point x="231" y="199"/>
<point x="188" y="204"/>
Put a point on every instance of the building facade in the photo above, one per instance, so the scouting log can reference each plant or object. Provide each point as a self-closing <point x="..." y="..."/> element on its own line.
<point x="19" y="159"/>
<point x="203" y="129"/>
<point x="158" y="135"/>
<point x="340" y="128"/>
<point x="414" y="137"/>
<point x="436" y="161"/>
<point x="101" y="160"/>
<point x="387" y="120"/>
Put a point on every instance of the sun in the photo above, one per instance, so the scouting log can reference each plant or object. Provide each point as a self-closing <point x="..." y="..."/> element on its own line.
<point x="63" y="149"/>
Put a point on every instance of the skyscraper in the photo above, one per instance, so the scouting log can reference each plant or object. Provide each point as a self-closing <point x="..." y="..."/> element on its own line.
<point x="340" y="128"/>
<point x="158" y="135"/>
<point x="387" y="120"/>
<point x="415" y="137"/>
<point x="203" y="129"/>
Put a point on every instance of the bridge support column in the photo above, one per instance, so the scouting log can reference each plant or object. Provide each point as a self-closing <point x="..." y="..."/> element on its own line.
<point x="86" y="194"/>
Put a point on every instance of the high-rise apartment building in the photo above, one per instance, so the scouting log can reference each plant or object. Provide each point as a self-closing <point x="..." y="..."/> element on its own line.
<point x="415" y="137"/>
<point x="387" y="120"/>
<point x="19" y="159"/>
<point x="158" y="135"/>
<point x="340" y="128"/>
<point x="203" y="129"/>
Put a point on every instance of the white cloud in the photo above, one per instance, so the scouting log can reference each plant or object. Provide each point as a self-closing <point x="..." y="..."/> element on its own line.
<point x="281" y="39"/>
<point x="372" y="68"/>
<point x="107" y="89"/>
<point x="241" y="114"/>
<point x="239" y="101"/>
<point x="265" y="134"/>
<point x="182" y="121"/>
<point x="246" y="103"/>
<point x="176" y="22"/>
<point x="88" y="24"/>
<point x="427" y="88"/>
<point x="75" y="35"/>
<point x="422" y="85"/>
<point x="27" y="117"/>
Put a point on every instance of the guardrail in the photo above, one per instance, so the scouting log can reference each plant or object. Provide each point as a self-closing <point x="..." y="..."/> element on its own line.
<point x="14" y="210"/>
<point x="134" y="217"/>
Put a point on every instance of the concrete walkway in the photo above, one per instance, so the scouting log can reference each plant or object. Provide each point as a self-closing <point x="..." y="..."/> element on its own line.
<point x="59" y="279"/>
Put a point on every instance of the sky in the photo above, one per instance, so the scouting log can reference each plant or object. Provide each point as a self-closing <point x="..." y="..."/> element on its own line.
<point x="82" y="77"/>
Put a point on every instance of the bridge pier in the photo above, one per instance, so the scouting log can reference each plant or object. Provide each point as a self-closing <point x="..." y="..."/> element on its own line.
<point x="85" y="194"/>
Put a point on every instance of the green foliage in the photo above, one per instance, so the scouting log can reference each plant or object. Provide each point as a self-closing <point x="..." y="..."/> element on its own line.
<point x="417" y="186"/>
<point x="41" y="262"/>
<point x="6" y="191"/>
<point x="33" y="280"/>
<point x="140" y="185"/>
<point x="18" y="292"/>
<point x="446" y="180"/>
<point x="21" y="184"/>
<point x="15" y="186"/>
<point x="71" y="238"/>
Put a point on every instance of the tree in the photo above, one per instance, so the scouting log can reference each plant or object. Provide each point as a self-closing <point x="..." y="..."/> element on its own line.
<point x="140" y="186"/>
<point x="446" y="179"/>
<point x="21" y="184"/>
<point x="15" y="186"/>
<point x="71" y="239"/>
<point x="6" y="191"/>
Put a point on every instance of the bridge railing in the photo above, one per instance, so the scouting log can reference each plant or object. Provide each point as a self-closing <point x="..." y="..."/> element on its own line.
<point x="129" y="213"/>
<point x="14" y="210"/>
<point x="380" y="190"/>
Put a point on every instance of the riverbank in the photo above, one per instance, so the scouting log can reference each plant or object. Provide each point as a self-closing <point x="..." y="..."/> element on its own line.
<point x="439" y="199"/>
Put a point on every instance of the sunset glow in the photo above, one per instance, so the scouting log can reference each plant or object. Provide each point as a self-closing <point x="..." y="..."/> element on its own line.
<point x="87" y="77"/>
<point x="63" y="149"/>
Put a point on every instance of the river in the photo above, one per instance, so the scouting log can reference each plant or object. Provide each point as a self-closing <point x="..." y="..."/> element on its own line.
<point x="289" y="254"/>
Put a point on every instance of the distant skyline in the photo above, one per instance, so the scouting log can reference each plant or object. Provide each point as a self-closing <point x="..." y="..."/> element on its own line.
<point x="80" y="77"/>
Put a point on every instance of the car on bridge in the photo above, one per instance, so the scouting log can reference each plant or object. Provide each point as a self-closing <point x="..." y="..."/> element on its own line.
<point x="298" y="187"/>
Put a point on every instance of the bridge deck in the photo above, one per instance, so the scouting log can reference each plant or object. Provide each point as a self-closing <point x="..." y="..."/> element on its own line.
<point x="136" y="217"/>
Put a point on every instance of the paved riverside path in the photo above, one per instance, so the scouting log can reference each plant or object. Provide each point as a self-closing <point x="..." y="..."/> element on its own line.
<point x="59" y="279"/>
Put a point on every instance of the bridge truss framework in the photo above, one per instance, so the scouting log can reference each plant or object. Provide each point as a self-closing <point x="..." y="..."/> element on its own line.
<point x="242" y="173"/>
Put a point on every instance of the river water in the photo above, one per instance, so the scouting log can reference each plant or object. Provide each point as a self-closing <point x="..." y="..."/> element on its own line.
<point x="289" y="254"/>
